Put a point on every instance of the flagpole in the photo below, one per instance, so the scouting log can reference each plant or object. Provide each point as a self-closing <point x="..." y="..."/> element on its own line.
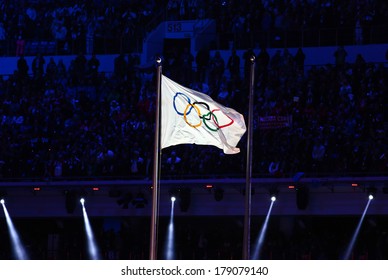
<point x="248" y="187"/>
<point x="155" y="178"/>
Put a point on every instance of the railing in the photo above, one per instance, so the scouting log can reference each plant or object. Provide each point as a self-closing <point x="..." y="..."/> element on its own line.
<point x="362" y="176"/>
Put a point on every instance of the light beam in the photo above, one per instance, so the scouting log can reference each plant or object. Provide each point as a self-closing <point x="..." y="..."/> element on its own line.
<point x="170" y="248"/>
<point x="263" y="231"/>
<point x="17" y="246"/>
<point x="92" y="247"/>
<point x="356" y="232"/>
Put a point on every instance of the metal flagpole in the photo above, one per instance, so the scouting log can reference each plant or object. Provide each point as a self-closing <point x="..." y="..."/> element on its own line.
<point x="155" y="178"/>
<point x="248" y="187"/>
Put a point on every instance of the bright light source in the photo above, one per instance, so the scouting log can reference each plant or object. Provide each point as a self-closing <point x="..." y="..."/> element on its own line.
<point x="2" y="201"/>
<point x="82" y="200"/>
<point x="273" y="192"/>
<point x="173" y="198"/>
<point x="371" y="196"/>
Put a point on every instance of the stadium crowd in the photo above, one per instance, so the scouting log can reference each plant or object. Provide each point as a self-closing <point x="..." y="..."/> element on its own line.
<point x="77" y="121"/>
<point x="80" y="122"/>
<point x="113" y="26"/>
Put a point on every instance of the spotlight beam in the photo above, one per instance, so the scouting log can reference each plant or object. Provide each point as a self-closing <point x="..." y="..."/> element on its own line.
<point x="17" y="245"/>
<point x="356" y="232"/>
<point x="92" y="247"/>
<point x="261" y="237"/>
<point x="170" y="250"/>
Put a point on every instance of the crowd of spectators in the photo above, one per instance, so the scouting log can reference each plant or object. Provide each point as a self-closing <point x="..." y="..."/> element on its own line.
<point x="79" y="122"/>
<point x="112" y="26"/>
<point x="75" y="26"/>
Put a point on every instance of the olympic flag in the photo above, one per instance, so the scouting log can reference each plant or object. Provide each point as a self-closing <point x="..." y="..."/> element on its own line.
<point x="192" y="117"/>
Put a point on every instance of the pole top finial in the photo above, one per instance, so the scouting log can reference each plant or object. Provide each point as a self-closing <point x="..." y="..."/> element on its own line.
<point x="253" y="58"/>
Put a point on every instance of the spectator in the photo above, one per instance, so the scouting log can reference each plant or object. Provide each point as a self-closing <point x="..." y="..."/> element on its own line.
<point x="120" y="67"/>
<point x="186" y="60"/>
<point x="173" y="164"/>
<point x="217" y="68"/>
<point x="340" y="57"/>
<point x="137" y="163"/>
<point x="3" y="36"/>
<point x="60" y="36"/>
<point x="22" y="66"/>
<point x="299" y="59"/>
<point x="20" y="45"/>
<point x="233" y="65"/>
<point x="93" y="65"/>
<point x="51" y="70"/>
<point x="38" y="66"/>
<point x="202" y="61"/>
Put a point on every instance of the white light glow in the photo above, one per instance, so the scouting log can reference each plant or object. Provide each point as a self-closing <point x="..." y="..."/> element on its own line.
<point x="356" y="232"/>
<point x="173" y="198"/>
<point x="92" y="247"/>
<point x="261" y="237"/>
<point x="170" y="238"/>
<point x="17" y="246"/>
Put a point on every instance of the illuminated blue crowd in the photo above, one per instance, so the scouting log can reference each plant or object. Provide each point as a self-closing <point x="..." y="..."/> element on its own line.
<point x="80" y="122"/>
<point x="77" y="122"/>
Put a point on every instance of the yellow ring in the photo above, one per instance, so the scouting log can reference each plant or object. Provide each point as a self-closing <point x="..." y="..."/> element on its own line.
<point x="199" y="113"/>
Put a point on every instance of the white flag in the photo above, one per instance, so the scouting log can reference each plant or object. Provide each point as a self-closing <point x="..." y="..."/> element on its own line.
<point x="191" y="117"/>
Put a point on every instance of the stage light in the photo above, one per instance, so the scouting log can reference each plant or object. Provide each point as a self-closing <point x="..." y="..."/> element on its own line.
<point x="371" y="192"/>
<point x="82" y="200"/>
<point x="17" y="245"/>
<point x="273" y="193"/>
<point x="174" y="193"/>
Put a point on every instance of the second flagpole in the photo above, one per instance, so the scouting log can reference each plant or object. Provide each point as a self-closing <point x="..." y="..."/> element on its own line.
<point x="155" y="177"/>
<point x="248" y="187"/>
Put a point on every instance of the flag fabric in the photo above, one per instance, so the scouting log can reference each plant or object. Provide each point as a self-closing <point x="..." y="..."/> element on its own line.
<point x="192" y="117"/>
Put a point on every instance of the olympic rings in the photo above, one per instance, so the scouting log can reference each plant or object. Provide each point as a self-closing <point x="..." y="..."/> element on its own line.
<point x="209" y="119"/>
